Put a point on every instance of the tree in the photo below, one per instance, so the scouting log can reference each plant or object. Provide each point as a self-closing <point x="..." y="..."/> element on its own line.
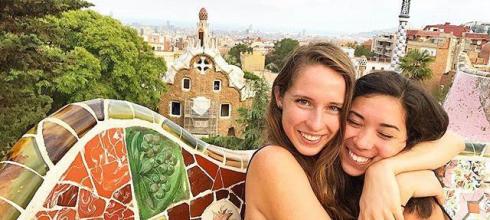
<point x="105" y="59"/>
<point x="27" y="61"/>
<point x="275" y="60"/>
<point x="234" y="53"/>
<point x="52" y="54"/>
<point x="415" y="65"/>
<point x="362" y="51"/>
<point x="253" y="119"/>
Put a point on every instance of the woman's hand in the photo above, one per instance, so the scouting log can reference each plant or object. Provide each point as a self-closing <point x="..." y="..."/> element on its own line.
<point x="380" y="197"/>
<point x="423" y="183"/>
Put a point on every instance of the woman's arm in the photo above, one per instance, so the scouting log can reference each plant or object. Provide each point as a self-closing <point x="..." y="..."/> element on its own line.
<point x="278" y="188"/>
<point x="426" y="155"/>
<point x="418" y="196"/>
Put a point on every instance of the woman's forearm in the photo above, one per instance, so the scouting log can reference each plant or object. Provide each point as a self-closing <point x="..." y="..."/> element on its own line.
<point x="426" y="155"/>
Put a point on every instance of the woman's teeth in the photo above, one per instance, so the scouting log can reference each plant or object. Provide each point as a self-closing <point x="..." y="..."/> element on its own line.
<point x="311" y="137"/>
<point x="358" y="158"/>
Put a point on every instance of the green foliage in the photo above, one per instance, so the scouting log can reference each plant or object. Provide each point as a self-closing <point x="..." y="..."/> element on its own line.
<point x="415" y="65"/>
<point x="230" y="142"/>
<point x="52" y="54"/>
<point x="233" y="56"/>
<point x="250" y="76"/>
<point x="276" y="59"/>
<point x="112" y="61"/>
<point x="27" y="63"/>
<point x="253" y="119"/>
<point x="362" y="51"/>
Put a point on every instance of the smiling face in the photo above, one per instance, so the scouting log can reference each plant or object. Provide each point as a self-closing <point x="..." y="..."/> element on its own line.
<point x="311" y="108"/>
<point x="375" y="130"/>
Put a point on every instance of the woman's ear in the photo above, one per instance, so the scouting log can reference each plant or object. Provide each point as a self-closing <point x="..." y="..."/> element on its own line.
<point x="277" y="96"/>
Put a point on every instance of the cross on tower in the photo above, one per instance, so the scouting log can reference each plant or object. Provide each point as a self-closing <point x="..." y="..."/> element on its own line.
<point x="202" y="65"/>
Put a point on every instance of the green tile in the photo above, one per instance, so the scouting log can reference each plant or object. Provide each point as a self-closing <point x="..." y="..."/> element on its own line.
<point x="143" y="113"/>
<point x="158" y="171"/>
<point x="8" y="211"/>
<point x="26" y="152"/>
<point x="18" y="184"/>
<point x="119" y="110"/>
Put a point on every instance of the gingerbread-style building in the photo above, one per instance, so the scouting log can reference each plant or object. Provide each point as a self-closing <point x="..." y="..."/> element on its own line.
<point x="204" y="91"/>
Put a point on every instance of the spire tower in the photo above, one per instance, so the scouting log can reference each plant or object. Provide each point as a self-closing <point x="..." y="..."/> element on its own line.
<point x="401" y="36"/>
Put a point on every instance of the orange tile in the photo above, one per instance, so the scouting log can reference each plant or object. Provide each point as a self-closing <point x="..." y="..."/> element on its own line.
<point x="90" y="205"/>
<point x="107" y="161"/>
<point x="77" y="172"/>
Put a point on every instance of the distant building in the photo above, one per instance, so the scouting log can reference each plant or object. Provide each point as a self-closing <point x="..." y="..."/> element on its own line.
<point x="456" y="30"/>
<point x="252" y="62"/>
<point x="382" y="45"/>
<point x="485" y="54"/>
<point x="365" y="65"/>
<point x="473" y="43"/>
<point x="441" y="46"/>
<point x="204" y="92"/>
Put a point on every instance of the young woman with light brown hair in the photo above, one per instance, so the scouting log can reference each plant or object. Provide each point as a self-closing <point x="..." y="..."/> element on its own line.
<point x="298" y="174"/>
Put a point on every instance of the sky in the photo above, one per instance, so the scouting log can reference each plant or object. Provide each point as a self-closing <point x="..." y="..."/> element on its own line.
<point x="313" y="16"/>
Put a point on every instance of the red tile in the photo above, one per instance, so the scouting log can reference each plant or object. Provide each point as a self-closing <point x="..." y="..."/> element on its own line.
<point x="107" y="161"/>
<point x="218" y="181"/>
<point x="90" y="205"/>
<point x="188" y="158"/>
<point x="239" y="190"/>
<point x="179" y="212"/>
<point x="67" y="214"/>
<point x="77" y="172"/>
<point x="124" y="195"/>
<point x="199" y="181"/>
<point x="234" y="199"/>
<point x="207" y="165"/>
<point x="473" y="207"/>
<point x="69" y="197"/>
<point x="231" y="177"/>
<point x="55" y="194"/>
<point x="116" y="210"/>
<point x="200" y="204"/>
<point x="221" y="194"/>
<point x="46" y="215"/>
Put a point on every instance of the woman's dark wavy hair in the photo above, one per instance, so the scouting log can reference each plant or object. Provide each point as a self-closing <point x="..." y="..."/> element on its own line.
<point x="425" y="119"/>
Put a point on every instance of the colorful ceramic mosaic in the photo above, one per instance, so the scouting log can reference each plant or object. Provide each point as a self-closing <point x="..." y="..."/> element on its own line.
<point x="116" y="160"/>
<point x="468" y="106"/>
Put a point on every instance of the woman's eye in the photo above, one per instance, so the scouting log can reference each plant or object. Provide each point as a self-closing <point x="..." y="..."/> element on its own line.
<point x="353" y="123"/>
<point x="303" y="102"/>
<point x="335" y="108"/>
<point x="385" y="136"/>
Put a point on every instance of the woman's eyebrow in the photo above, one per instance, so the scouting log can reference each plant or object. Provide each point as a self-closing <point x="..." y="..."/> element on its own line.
<point x="390" y="126"/>
<point x="356" y="114"/>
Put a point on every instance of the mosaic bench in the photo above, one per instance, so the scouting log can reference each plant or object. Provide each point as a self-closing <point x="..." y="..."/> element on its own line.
<point x="117" y="160"/>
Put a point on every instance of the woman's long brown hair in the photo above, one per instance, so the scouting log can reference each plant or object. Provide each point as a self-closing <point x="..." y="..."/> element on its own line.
<point x="323" y="170"/>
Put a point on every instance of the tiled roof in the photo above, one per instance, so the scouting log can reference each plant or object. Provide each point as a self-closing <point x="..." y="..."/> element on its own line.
<point x="456" y="30"/>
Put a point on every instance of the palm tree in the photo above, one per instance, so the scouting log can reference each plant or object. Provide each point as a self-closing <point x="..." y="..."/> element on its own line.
<point x="415" y="65"/>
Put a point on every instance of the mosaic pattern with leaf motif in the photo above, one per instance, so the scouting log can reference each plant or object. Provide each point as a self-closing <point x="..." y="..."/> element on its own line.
<point x="113" y="159"/>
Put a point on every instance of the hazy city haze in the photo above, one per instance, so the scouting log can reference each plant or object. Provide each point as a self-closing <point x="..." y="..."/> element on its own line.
<point x="314" y="16"/>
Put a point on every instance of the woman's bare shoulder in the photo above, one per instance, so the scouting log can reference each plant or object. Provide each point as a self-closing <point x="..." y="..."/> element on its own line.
<point x="275" y="183"/>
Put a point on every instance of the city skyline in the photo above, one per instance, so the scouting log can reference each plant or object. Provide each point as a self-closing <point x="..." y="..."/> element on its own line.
<point x="312" y="16"/>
